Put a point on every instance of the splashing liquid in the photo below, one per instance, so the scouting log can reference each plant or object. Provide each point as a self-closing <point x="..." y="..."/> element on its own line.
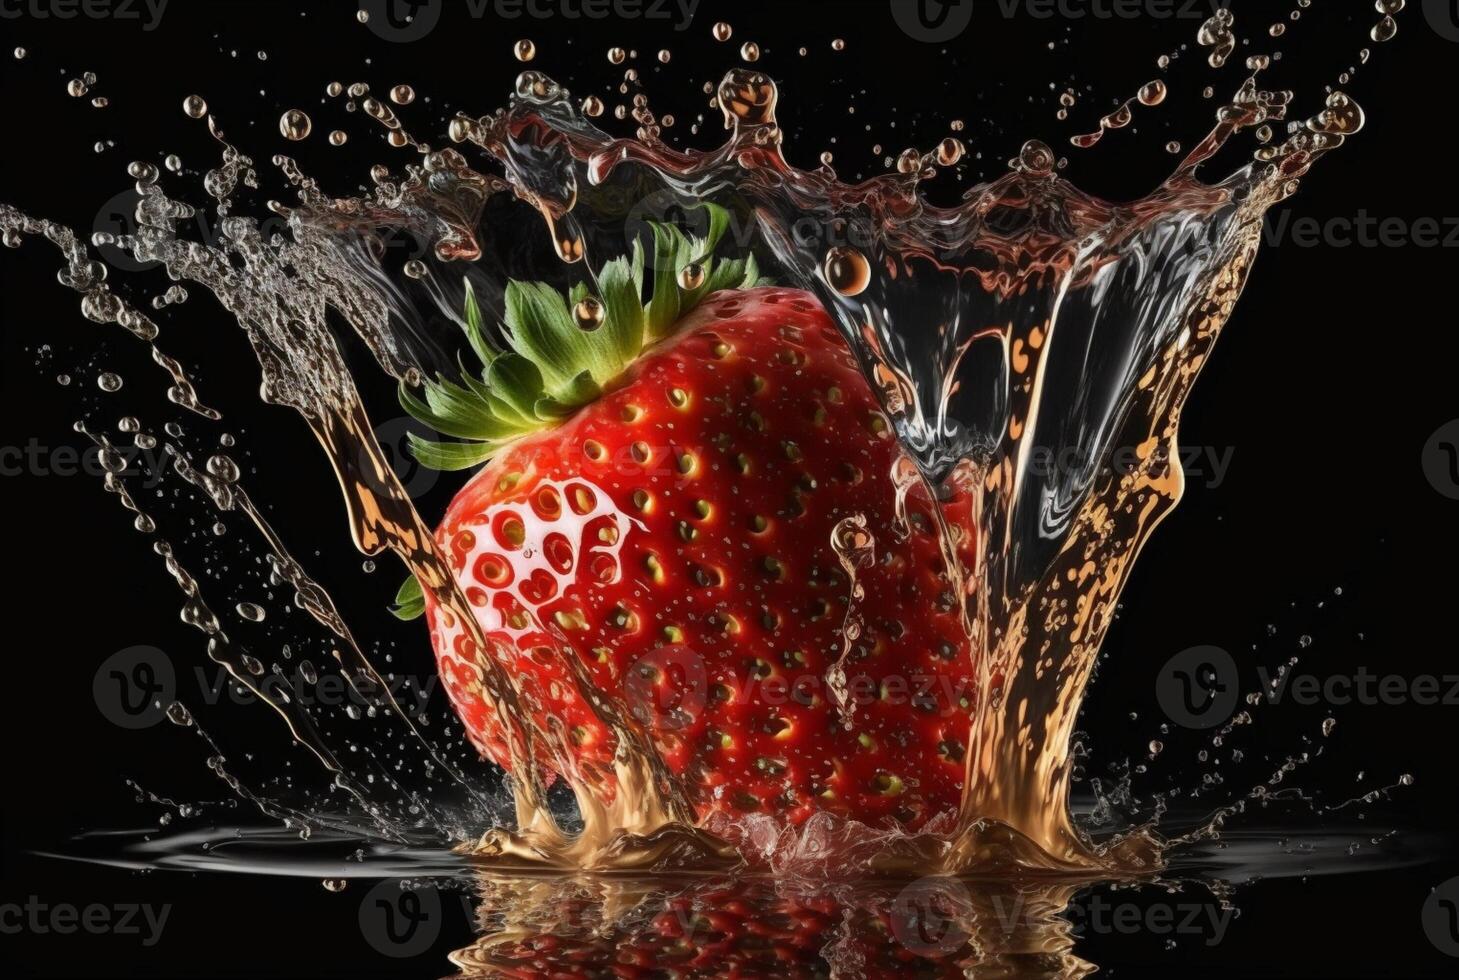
<point x="1030" y="320"/>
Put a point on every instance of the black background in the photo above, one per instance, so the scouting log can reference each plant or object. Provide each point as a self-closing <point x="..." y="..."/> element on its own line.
<point x="1334" y="372"/>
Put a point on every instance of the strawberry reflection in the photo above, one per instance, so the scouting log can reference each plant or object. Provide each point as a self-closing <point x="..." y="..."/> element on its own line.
<point x="753" y="926"/>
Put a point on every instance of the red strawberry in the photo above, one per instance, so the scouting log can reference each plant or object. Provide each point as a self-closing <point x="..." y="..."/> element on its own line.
<point x="669" y="523"/>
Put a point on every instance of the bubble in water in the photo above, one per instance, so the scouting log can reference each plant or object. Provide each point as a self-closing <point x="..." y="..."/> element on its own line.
<point x="616" y="55"/>
<point x="1036" y="158"/>
<point x="722" y="32"/>
<point x="76" y="88"/>
<point x="750" y="51"/>
<point x="691" y="276"/>
<point x="109" y="381"/>
<point x="402" y="95"/>
<point x="592" y="106"/>
<point x="847" y="270"/>
<point x="338" y="137"/>
<point x="251" y="611"/>
<point x="195" y="106"/>
<point x="19" y="54"/>
<point x="525" y="50"/>
<point x="1152" y="93"/>
<point x="664" y="56"/>
<point x="223" y="468"/>
<point x="839" y="44"/>
<point x="295" y="124"/>
<point x="949" y="151"/>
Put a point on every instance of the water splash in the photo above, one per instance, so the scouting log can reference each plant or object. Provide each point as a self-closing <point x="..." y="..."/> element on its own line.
<point x="1031" y="318"/>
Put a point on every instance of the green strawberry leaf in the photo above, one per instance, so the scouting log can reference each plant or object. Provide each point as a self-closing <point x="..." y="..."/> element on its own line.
<point x="550" y="365"/>
<point x="410" y="602"/>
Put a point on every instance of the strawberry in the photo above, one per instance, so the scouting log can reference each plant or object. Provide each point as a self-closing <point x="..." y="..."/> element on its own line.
<point x="664" y="484"/>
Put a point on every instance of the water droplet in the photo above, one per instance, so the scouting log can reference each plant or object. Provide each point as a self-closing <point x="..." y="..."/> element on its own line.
<point x="617" y="55"/>
<point x="525" y="50"/>
<point x="251" y="611"/>
<point x="195" y="106"/>
<point x="338" y="138"/>
<point x="108" y="381"/>
<point x="692" y="276"/>
<point x="1152" y="93"/>
<point x="847" y="271"/>
<point x="750" y="51"/>
<point x="588" y="313"/>
<point x="722" y="32"/>
<point x="402" y="95"/>
<point x="592" y="106"/>
<point x="295" y="124"/>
